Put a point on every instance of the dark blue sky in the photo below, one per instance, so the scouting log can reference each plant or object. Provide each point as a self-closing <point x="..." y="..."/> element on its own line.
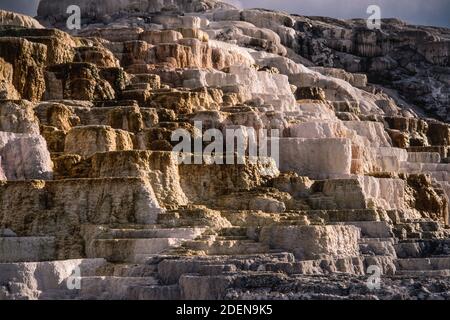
<point x="428" y="12"/>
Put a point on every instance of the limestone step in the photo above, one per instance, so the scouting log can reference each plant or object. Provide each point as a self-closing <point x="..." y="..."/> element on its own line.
<point x="423" y="248"/>
<point x="424" y="157"/>
<point x="59" y="294"/>
<point x="418" y="230"/>
<point x="177" y="220"/>
<point x="393" y="241"/>
<point x="440" y="175"/>
<point x="171" y="269"/>
<point x="322" y="203"/>
<point x="434" y="234"/>
<point x="98" y="288"/>
<point x="373" y="229"/>
<point x="423" y="264"/>
<point x="127" y="270"/>
<point x="144" y="78"/>
<point x="430" y="225"/>
<point x="411" y="167"/>
<point x="139" y="86"/>
<point x="377" y="246"/>
<point x="114" y="103"/>
<point x="27" y="249"/>
<point x="439" y="171"/>
<point x="385" y="262"/>
<point x="350" y="265"/>
<point x="345" y="215"/>
<point x="294" y="221"/>
<point x="245" y="261"/>
<point x="233" y="231"/>
<point x="424" y="273"/>
<point x="227" y="247"/>
<point x="442" y="150"/>
<point x="225" y="238"/>
<point x="130" y="250"/>
<point x="445" y="167"/>
<point x="154" y="292"/>
<point x="108" y="288"/>
<point x="46" y="280"/>
<point x="139" y="95"/>
<point x="184" y="233"/>
<point x="415" y="232"/>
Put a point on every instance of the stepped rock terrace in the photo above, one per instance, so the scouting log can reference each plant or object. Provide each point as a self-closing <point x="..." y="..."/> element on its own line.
<point x="91" y="183"/>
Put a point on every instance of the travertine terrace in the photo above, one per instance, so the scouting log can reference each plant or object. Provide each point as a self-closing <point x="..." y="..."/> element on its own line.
<point x="94" y="203"/>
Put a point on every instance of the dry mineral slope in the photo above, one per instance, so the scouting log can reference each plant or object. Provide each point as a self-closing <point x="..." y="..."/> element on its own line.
<point x="88" y="182"/>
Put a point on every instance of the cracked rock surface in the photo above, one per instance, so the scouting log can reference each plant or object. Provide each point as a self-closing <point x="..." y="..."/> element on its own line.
<point x="90" y="184"/>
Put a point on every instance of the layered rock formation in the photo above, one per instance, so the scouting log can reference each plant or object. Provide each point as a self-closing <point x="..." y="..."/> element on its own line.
<point x="92" y="193"/>
<point x="14" y="19"/>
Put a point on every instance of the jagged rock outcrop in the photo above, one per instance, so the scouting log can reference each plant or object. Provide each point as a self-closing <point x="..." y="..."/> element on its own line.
<point x="55" y="11"/>
<point x="400" y="57"/>
<point x="18" y="117"/>
<point x="23" y="151"/>
<point x="27" y="60"/>
<point x="350" y="176"/>
<point x="13" y="19"/>
<point x="88" y="140"/>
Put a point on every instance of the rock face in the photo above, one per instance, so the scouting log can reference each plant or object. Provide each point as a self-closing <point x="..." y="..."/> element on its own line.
<point x="56" y="10"/>
<point x="18" y="20"/>
<point x="89" y="140"/>
<point x="350" y="174"/>
<point x="314" y="242"/>
<point x="399" y="57"/>
<point x="23" y="151"/>
<point x="27" y="60"/>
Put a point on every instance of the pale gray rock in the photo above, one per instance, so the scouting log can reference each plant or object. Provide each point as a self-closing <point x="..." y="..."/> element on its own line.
<point x="313" y="242"/>
<point x="26" y="249"/>
<point x="25" y="156"/>
<point x="18" y="117"/>
<point x="7" y="233"/>
<point x="33" y="280"/>
<point x="316" y="158"/>
<point x="362" y="179"/>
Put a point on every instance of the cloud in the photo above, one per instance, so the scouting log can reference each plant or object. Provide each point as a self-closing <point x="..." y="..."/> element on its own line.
<point x="430" y="12"/>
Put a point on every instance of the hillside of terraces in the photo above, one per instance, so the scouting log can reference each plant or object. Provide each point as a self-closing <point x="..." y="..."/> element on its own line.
<point x="92" y="192"/>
